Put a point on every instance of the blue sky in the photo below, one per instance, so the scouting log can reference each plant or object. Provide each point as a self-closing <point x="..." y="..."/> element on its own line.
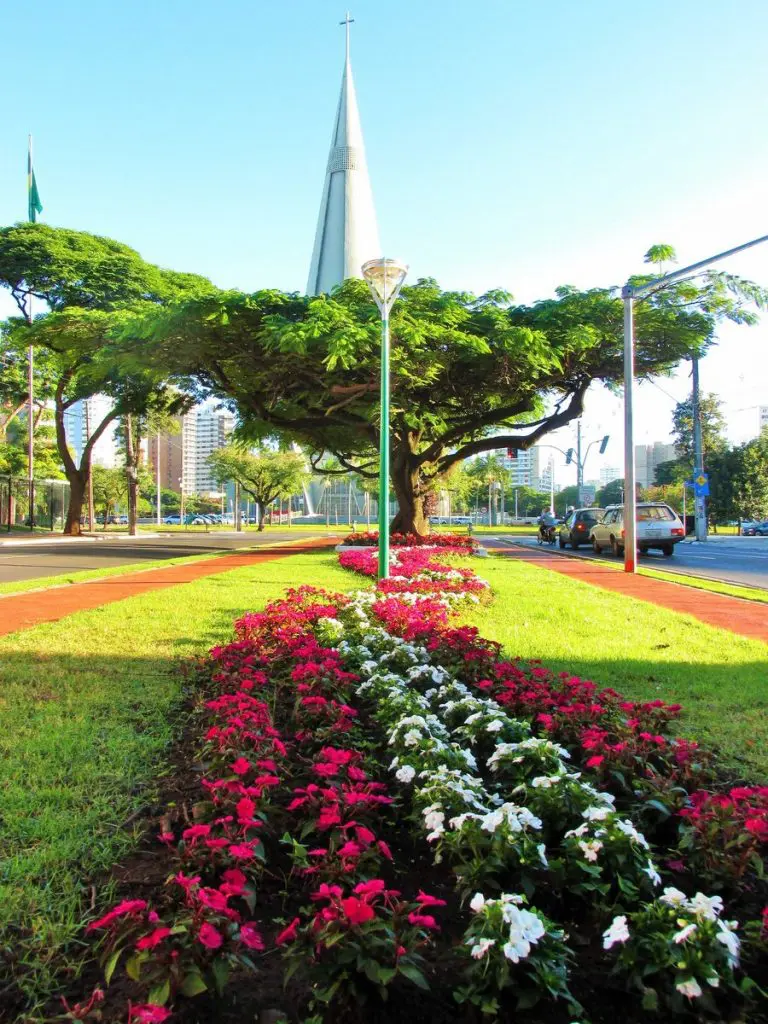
<point x="509" y="144"/>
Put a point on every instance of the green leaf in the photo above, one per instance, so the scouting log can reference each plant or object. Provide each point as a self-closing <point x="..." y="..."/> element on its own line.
<point x="220" y="970"/>
<point x="413" y="974"/>
<point x="133" y="967"/>
<point x="193" y="985"/>
<point x="160" y="994"/>
<point x="111" y="964"/>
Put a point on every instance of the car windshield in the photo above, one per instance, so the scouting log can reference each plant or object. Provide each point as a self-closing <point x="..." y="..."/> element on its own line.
<point x="648" y="512"/>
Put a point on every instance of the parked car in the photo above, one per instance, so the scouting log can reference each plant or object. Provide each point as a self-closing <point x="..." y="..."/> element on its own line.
<point x="172" y="520"/>
<point x="754" y="529"/>
<point x="578" y="523"/>
<point x="658" y="526"/>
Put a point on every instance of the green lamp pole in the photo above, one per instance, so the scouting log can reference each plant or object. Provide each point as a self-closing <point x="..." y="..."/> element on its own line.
<point x="385" y="278"/>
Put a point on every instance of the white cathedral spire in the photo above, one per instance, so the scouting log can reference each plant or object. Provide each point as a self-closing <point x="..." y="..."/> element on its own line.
<point x="347" y="234"/>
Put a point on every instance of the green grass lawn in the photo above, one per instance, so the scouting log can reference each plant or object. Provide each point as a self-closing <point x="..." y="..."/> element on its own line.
<point x="640" y="649"/>
<point x="88" y="706"/>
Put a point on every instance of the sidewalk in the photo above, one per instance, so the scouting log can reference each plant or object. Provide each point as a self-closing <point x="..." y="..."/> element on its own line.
<point x="746" y="618"/>
<point x="25" y="610"/>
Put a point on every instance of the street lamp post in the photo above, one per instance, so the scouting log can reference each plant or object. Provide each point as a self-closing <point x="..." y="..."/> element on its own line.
<point x="385" y="278"/>
<point x="629" y="294"/>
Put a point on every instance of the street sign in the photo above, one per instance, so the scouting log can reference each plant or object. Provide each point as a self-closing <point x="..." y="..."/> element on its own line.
<point x="587" y="494"/>
<point x="701" y="485"/>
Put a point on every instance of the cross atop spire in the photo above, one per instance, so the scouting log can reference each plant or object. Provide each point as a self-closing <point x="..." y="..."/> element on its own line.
<point x="347" y="234"/>
<point x="347" y="21"/>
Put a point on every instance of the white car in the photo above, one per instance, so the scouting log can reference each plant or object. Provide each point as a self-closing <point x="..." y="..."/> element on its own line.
<point x="658" y="526"/>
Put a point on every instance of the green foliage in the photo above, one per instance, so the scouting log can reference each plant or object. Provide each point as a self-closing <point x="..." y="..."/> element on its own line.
<point x="263" y="473"/>
<point x="462" y="366"/>
<point x="712" y="427"/>
<point x="611" y="494"/>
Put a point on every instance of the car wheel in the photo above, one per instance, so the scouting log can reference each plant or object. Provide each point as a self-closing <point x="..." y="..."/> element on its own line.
<point x="596" y="547"/>
<point x="615" y="551"/>
<point x="574" y="544"/>
<point x="560" y="542"/>
<point x="667" y="550"/>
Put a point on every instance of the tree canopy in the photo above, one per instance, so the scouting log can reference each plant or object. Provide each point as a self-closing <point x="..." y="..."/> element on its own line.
<point x="463" y="366"/>
<point x="265" y="474"/>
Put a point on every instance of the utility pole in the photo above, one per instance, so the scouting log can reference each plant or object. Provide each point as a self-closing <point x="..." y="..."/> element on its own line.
<point x="516" y="515"/>
<point x="91" y="516"/>
<point x="238" y="517"/>
<point x="700" y="502"/>
<point x="579" y="463"/>
<point x="157" y="476"/>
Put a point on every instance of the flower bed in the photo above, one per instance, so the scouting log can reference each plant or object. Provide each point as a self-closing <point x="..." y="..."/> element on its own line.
<point x="365" y="749"/>
<point x="450" y="541"/>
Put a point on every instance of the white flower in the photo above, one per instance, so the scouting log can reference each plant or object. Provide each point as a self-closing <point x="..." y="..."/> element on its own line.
<point x="672" y="897"/>
<point x="690" y="988"/>
<point x="477" y="902"/>
<point x="481" y="947"/>
<point x="629" y="830"/>
<point x="405" y="774"/>
<point x="590" y="849"/>
<point x="652" y="873"/>
<point x="545" y="781"/>
<point x="708" y="907"/>
<point x="412" y="738"/>
<point x="542" y="851"/>
<point x="682" y="935"/>
<point x="580" y="831"/>
<point x="596" y="813"/>
<point x="516" y="951"/>
<point x="618" y="932"/>
<point x="731" y="942"/>
<point x="495" y="726"/>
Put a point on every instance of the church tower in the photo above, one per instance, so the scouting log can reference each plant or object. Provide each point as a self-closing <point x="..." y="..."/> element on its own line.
<point x="347" y="234"/>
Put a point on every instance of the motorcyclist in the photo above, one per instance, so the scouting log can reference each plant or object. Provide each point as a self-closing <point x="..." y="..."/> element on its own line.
<point x="547" y="523"/>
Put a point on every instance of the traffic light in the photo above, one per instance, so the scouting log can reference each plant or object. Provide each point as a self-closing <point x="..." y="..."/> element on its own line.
<point x="511" y="453"/>
<point x="569" y="456"/>
<point x="604" y="444"/>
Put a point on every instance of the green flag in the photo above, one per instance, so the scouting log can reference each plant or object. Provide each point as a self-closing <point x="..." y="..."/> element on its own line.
<point x="33" y="196"/>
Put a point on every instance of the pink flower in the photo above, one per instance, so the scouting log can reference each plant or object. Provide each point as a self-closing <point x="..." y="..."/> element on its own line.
<point x="149" y="1013"/>
<point x="212" y="898"/>
<point x="357" y="911"/>
<point x="423" y="921"/>
<point x="234" y="882"/>
<point x="121" y="910"/>
<point x="595" y="762"/>
<point x="241" y="766"/>
<point x="288" y="934"/>
<point x="250" y="936"/>
<point x="196" y="832"/>
<point x="242" y="851"/>
<point x="429" y="901"/>
<point x="385" y="850"/>
<point x="376" y="885"/>
<point x="210" y="937"/>
<point x="153" y="939"/>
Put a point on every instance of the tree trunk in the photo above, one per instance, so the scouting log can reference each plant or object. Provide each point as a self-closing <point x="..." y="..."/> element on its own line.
<point x="131" y="472"/>
<point x="410" y="517"/>
<point x="262" y="513"/>
<point x="78" y="485"/>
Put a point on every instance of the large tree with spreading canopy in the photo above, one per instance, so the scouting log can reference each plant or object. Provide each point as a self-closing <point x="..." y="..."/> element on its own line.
<point x="469" y="374"/>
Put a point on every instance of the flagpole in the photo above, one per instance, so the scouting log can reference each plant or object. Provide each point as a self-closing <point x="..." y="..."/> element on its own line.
<point x="30" y="364"/>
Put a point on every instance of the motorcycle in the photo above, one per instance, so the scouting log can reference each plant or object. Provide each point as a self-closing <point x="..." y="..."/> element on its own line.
<point x="547" y="533"/>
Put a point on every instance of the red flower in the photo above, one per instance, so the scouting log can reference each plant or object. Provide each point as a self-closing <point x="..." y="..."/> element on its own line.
<point x="212" y="898"/>
<point x="288" y="934"/>
<point x="242" y="851"/>
<point x="250" y="936"/>
<point x="153" y="939"/>
<point x="429" y="901"/>
<point x="241" y="766"/>
<point x="595" y="762"/>
<point x="357" y="911"/>
<point x="234" y="882"/>
<point x="121" y="910"/>
<point x="149" y="1013"/>
<point x="376" y="885"/>
<point x="423" y="921"/>
<point x="210" y="937"/>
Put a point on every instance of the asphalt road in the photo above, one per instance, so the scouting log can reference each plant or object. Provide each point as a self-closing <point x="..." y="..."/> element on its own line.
<point x="738" y="560"/>
<point x="42" y="558"/>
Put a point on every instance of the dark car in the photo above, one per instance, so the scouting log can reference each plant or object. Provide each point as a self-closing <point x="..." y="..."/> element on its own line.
<point x="754" y="529"/>
<point x="575" y="529"/>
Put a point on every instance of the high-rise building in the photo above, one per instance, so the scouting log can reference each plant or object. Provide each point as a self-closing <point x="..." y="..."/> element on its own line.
<point x="762" y="411"/>
<point x="80" y="422"/>
<point x="202" y="432"/>
<point x="347" y="234"/>
<point x="170" y="458"/>
<point x="648" y="457"/>
<point x="610" y="473"/>
<point x="519" y="468"/>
